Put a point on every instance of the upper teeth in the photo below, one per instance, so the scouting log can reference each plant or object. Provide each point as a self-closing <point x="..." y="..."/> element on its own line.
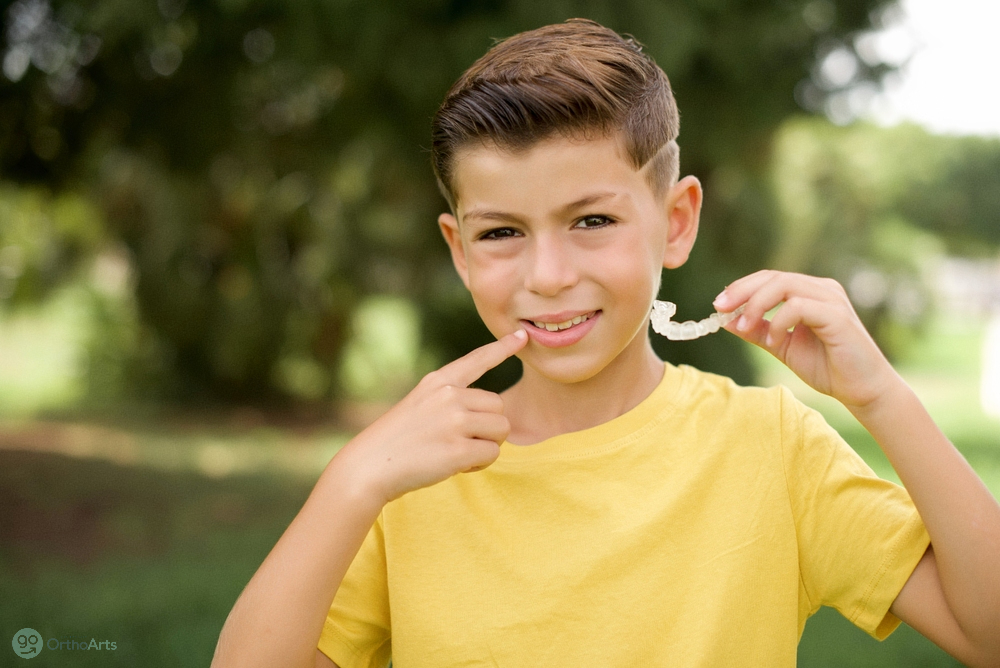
<point x="554" y="326"/>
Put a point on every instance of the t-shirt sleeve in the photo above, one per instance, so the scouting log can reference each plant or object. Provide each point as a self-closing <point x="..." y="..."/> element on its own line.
<point x="356" y="631"/>
<point x="859" y="536"/>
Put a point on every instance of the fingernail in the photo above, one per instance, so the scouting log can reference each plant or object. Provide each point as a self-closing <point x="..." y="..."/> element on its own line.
<point x="521" y="334"/>
<point x="721" y="299"/>
<point x="742" y="324"/>
<point x="769" y="340"/>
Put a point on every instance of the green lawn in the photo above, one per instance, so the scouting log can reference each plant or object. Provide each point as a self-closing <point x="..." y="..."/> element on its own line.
<point x="145" y="536"/>
<point x="150" y="559"/>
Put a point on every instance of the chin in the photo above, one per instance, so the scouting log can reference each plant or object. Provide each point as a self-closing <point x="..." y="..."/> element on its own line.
<point x="566" y="371"/>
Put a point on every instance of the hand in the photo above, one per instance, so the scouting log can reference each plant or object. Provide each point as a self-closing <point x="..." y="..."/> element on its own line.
<point x="827" y="346"/>
<point x="442" y="427"/>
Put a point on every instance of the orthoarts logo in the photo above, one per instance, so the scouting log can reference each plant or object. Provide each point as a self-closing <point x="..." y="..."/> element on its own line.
<point x="28" y="643"/>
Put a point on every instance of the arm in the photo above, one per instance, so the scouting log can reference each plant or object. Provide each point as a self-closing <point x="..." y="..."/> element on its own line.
<point x="953" y="596"/>
<point x="439" y="429"/>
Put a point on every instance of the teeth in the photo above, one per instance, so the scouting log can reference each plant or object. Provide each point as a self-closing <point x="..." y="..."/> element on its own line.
<point x="556" y="326"/>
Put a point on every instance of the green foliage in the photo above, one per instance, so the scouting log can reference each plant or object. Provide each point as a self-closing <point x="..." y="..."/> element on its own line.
<point x="43" y="238"/>
<point x="876" y="207"/>
<point x="262" y="161"/>
<point x="958" y="196"/>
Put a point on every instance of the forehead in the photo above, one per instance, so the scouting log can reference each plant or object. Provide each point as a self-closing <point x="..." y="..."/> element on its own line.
<point x="545" y="176"/>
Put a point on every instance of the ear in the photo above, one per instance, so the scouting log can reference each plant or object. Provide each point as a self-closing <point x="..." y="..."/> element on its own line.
<point x="449" y="230"/>
<point x="683" y="204"/>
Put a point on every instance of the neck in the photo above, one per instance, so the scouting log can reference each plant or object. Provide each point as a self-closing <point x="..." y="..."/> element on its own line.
<point x="539" y="408"/>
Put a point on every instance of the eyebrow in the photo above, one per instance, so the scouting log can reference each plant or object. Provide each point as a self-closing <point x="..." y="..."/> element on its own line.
<point x="512" y="218"/>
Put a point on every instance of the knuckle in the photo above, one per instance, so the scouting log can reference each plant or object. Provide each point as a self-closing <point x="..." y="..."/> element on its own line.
<point x="502" y="436"/>
<point x="834" y="284"/>
<point x="448" y="393"/>
<point x="432" y="379"/>
<point x="754" y="309"/>
<point x="488" y="451"/>
<point x="472" y="455"/>
<point x="458" y="421"/>
<point x="793" y="303"/>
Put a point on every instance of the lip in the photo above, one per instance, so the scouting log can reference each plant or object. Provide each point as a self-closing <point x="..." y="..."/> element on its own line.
<point x="563" y="337"/>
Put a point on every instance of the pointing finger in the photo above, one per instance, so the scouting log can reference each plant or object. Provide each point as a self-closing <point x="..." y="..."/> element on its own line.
<point x="465" y="370"/>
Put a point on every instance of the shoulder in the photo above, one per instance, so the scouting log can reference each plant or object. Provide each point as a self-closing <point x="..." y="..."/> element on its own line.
<point x="702" y="388"/>
<point x="767" y="419"/>
<point x="718" y="413"/>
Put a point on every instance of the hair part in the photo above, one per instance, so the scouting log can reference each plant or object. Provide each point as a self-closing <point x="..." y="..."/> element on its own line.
<point x="568" y="79"/>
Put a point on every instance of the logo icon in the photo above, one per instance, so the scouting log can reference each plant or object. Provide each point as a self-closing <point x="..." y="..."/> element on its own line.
<point x="27" y="643"/>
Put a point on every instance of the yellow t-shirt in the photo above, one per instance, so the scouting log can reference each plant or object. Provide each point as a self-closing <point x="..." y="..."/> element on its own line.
<point x="701" y="528"/>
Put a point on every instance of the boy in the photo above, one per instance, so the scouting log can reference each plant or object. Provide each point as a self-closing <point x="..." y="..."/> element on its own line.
<point x="618" y="511"/>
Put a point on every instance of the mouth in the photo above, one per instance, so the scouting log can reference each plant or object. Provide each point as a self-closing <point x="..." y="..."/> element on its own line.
<point x="566" y="324"/>
<point x="553" y="333"/>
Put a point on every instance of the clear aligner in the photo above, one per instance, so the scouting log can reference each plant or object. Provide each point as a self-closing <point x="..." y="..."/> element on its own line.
<point x="685" y="331"/>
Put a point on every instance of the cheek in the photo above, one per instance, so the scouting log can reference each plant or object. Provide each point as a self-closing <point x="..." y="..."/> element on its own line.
<point x="489" y="262"/>
<point x="637" y="273"/>
<point x="492" y="281"/>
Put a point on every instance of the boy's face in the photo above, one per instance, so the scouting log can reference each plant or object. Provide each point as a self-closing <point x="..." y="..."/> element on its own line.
<point x="562" y="232"/>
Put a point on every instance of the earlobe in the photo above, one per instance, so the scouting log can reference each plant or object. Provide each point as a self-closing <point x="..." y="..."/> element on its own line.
<point x="683" y="204"/>
<point x="453" y="237"/>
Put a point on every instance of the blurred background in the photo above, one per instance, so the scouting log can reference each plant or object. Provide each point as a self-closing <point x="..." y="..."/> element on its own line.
<point x="219" y="259"/>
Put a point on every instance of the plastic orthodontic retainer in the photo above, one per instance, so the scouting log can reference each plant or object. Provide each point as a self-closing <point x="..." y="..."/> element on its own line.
<point x="662" y="313"/>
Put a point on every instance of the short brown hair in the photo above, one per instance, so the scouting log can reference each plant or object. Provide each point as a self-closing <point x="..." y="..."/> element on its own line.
<point x="568" y="78"/>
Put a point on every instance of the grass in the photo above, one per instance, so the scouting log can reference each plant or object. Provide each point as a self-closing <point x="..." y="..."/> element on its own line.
<point x="149" y="559"/>
<point x="145" y="535"/>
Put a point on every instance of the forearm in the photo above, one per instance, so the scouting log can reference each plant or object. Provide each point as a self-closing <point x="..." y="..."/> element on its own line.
<point x="278" y="618"/>
<point x="961" y="516"/>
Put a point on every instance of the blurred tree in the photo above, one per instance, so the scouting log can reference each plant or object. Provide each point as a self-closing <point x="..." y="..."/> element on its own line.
<point x="263" y="161"/>
<point x="873" y="206"/>
<point x="958" y="194"/>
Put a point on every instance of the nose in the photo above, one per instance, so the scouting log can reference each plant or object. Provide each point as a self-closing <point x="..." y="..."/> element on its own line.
<point x="551" y="266"/>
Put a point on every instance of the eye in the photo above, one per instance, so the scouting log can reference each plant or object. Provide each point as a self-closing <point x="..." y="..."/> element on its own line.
<point x="499" y="233"/>
<point x="592" y="222"/>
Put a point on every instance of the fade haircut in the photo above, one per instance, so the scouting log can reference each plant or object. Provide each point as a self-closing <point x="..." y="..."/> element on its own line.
<point x="571" y="79"/>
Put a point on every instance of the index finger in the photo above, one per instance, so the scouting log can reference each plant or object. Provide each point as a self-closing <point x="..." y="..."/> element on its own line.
<point x="466" y="369"/>
<point x="740" y="290"/>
